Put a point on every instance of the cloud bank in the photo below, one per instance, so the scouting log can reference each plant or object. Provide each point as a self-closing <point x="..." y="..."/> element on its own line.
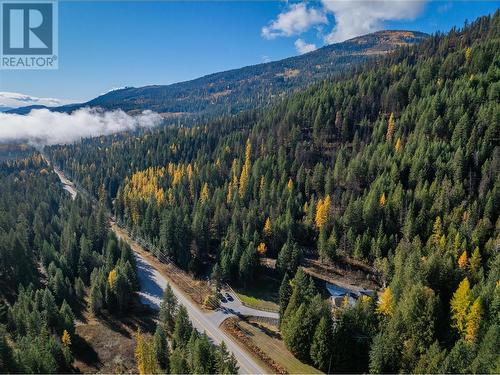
<point x="16" y="100"/>
<point x="42" y="127"/>
<point x="352" y="18"/>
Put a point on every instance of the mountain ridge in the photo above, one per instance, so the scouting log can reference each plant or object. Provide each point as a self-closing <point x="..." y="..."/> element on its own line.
<point x="251" y="86"/>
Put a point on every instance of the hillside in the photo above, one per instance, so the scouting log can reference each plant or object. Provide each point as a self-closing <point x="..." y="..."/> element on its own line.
<point x="394" y="166"/>
<point x="251" y="86"/>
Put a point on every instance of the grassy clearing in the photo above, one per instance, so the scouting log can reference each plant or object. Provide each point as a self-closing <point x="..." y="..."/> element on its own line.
<point x="263" y="294"/>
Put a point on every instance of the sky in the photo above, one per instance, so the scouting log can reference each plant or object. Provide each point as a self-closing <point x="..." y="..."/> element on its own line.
<point x="107" y="45"/>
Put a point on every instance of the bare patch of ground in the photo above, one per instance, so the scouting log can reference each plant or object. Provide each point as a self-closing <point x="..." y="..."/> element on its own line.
<point x="106" y="344"/>
<point x="346" y="272"/>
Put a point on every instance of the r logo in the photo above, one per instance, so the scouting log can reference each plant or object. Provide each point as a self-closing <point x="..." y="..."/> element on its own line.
<point x="27" y="28"/>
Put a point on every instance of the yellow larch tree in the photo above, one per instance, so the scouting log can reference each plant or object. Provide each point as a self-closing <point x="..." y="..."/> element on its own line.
<point x="142" y="186"/>
<point x="473" y="321"/>
<point x="468" y="54"/>
<point x="66" y="338"/>
<point x="397" y="147"/>
<point x="460" y="304"/>
<point x="245" y="172"/>
<point x="267" y="227"/>
<point x="322" y="212"/>
<point x="390" y="128"/>
<point x="204" y="193"/>
<point x="386" y="303"/>
<point x="437" y="231"/>
<point x="113" y="274"/>
<point x="289" y="185"/>
<point x="462" y="260"/>
<point x="382" y="200"/>
<point x="262" y="249"/>
<point x="243" y="181"/>
<point x="145" y="355"/>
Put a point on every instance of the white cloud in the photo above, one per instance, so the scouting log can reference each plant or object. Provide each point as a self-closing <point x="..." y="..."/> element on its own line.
<point x="359" y="17"/>
<point x="295" y="20"/>
<point x="352" y="17"/>
<point x="43" y="127"/>
<point x="303" y="47"/>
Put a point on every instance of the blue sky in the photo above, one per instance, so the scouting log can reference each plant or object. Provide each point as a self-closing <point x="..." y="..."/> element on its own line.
<point x="105" y="45"/>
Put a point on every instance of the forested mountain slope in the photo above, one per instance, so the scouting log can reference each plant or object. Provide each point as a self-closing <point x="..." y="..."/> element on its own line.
<point x="231" y="91"/>
<point x="395" y="165"/>
<point x="51" y="250"/>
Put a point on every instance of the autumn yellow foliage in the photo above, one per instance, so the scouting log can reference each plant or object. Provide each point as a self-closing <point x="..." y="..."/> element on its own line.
<point x="390" y="128"/>
<point x="397" y="147"/>
<point x="66" y="338"/>
<point x="267" y="227"/>
<point x="473" y="321"/>
<point x="144" y="355"/>
<point x="204" y="193"/>
<point x="112" y="278"/>
<point x="462" y="261"/>
<point x="142" y="186"/>
<point x="460" y="304"/>
<point x="323" y="212"/>
<point x="386" y="303"/>
<point x="245" y="172"/>
<point x="382" y="200"/>
<point x="262" y="249"/>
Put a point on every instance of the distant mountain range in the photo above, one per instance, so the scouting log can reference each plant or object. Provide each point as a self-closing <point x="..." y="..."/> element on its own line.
<point x="249" y="87"/>
<point x="13" y="100"/>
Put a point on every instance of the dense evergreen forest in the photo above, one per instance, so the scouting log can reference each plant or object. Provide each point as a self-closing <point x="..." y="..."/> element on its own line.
<point x="395" y="165"/>
<point x="52" y="252"/>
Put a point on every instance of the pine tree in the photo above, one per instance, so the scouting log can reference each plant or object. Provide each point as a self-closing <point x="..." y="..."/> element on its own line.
<point x="284" y="294"/>
<point x="183" y="328"/>
<point x="161" y="348"/>
<point x="321" y="344"/>
<point x="475" y="262"/>
<point x="168" y="309"/>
